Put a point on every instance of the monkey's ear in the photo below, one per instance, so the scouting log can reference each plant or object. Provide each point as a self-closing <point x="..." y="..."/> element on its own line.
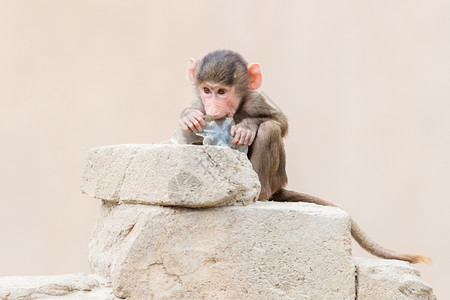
<point x="190" y="70"/>
<point x="254" y="70"/>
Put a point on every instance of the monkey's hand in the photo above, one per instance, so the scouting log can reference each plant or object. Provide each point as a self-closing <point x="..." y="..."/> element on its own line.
<point x="244" y="134"/>
<point x="193" y="120"/>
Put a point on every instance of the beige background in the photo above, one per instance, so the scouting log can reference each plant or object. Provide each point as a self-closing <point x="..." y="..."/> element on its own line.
<point x="365" y="85"/>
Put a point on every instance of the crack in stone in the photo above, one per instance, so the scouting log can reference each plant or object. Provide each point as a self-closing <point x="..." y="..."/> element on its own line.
<point x="356" y="282"/>
<point x="126" y="231"/>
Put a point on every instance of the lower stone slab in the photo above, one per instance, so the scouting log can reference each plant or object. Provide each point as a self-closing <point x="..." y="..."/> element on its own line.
<point x="262" y="251"/>
<point x="266" y="250"/>
<point x="390" y="279"/>
<point x="67" y="286"/>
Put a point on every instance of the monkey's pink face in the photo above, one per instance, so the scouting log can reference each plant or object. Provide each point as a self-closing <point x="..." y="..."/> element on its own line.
<point x="219" y="101"/>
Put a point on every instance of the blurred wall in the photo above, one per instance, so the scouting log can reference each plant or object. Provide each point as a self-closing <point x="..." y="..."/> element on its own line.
<point x="365" y="85"/>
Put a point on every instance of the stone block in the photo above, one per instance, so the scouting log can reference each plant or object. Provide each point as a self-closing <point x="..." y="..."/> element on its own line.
<point x="67" y="286"/>
<point x="266" y="250"/>
<point x="389" y="279"/>
<point x="170" y="175"/>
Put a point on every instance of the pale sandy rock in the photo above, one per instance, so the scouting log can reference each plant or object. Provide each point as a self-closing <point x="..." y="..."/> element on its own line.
<point x="101" y="293"/>
<point x="390" y="279"/>
<point x="170" y="175"/>
<point x="68" y="286"/>
<point x="265" y="250"/>
<point x="114" y="223"/>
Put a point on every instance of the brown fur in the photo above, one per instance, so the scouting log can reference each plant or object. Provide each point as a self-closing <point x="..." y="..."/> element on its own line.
<point x="267" y="153"/>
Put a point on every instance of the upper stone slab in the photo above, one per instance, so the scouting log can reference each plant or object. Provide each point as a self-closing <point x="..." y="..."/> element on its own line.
<point x="170" y="175"/>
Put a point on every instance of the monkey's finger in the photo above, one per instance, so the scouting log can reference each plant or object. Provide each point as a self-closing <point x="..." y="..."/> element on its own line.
<point x="236" y="139"/>
<point x="183" y="124"/>
<point x="200" y="119"/>
<point x="240" y="137"/>
<point x="233" y="131"/>
<point x="198" y="114"/>
<point x="244" y="137"/>
<point x="251" y="138"/>
<point x="187" y="125"/>
<point x="190" y="125"/>
<point x="195" y="124"/>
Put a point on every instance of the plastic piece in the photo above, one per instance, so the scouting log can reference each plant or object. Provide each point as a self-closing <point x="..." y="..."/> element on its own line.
<point x="217" y="133"/>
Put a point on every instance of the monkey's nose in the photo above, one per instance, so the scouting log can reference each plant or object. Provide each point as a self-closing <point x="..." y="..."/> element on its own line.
<point x="215" y="113"/>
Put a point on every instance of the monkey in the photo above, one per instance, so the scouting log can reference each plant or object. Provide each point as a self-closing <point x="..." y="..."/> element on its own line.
<point x="225" y="86"/>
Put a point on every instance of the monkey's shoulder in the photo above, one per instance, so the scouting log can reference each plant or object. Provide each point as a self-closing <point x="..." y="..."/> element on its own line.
<point x="254" y="104"/>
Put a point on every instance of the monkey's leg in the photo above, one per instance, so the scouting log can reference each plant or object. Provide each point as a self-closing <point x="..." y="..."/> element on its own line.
<point x="268" y="159"/>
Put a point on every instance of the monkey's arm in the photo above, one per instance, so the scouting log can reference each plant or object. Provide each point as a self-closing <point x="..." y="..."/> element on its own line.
<point x="255" y="110"/>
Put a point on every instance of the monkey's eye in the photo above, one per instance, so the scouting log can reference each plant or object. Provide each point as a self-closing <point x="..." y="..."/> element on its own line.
<point x="206" y="90"/>
<point x="221" y="91"/>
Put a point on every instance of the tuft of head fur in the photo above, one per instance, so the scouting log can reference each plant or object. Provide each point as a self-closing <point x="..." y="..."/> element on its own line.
<point x="224" y="67"/>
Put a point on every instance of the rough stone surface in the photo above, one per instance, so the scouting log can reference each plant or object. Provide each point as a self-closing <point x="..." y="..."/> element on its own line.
<point x="390" y="279"/>
<point x="265" y="250"/>
<point x="69" y="286"/>
<point x="170" y="175"/>
<point x="114" y="224"/>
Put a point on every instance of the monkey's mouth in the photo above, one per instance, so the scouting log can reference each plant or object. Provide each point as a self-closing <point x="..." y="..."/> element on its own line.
<point x="218" y="120"/>
<point x="216" y="115"/>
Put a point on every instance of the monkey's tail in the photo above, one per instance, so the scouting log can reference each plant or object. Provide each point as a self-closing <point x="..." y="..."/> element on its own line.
<point x="358" y="234"/>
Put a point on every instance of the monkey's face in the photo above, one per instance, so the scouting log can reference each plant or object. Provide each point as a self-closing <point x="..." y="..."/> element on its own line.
<point x="220" y="101"/>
